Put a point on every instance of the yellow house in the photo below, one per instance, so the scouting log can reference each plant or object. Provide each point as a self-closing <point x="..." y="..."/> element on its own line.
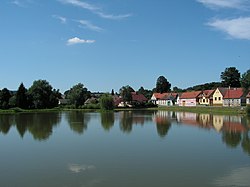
<point x="206" y="97"/>
<point x="218" y="96"/>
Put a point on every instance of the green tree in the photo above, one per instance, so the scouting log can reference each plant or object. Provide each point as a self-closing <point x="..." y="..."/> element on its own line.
<point x="77" y="95"/>
<point x="245" y="81"/>
<point x="107" y="102"/>
<point x="42" y="95"/>
<point x="230" y="77"/>
<point x="145" y="92"/>
<point x="125" y="92"/>
<point x="4" y="98"/>
<point x="21" y="97"/>
<point x="162" y="85"/>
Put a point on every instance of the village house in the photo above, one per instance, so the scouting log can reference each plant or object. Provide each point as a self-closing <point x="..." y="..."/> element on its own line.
<point x="189" y="98"/>
<point x="165" y="99"/>
<point x="137" y="99"/>
<point x="234" y="97"/>
<point x="218" y="96"/>
<point x="206" y="97"/>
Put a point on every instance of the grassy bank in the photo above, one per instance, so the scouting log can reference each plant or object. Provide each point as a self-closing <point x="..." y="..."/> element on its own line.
<point x="207" y="109"/>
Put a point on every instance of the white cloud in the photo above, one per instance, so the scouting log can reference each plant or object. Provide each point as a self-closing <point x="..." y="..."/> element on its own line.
<point x="76" y="40"/>
<point x="94" y="9"/>
<point x="238" y="28"/>
<point x="62" y="19"/>
<point x="235" y="4"/>
<point x="89" y="25"/>
<point x="81" y="4"/>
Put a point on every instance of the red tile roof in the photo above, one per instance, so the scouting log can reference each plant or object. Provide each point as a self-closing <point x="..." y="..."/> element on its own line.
<point x="190" y="95"/>
<point x="165" y="95"/>
<point x="138" y="97"/>
<point x="208" y="93"/>
<point x="234" y="93"/>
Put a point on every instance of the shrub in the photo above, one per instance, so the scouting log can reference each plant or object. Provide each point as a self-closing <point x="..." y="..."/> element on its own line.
<point x="106" y="102"/>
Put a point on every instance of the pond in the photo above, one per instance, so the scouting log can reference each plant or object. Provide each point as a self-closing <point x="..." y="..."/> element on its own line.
<point x="121" y="149"/>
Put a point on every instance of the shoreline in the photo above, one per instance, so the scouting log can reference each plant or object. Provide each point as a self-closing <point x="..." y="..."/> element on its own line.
<point x="196" y="109"/>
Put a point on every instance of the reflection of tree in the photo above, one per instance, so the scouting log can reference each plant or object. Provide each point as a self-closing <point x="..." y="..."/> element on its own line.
<point x="78" y="121"/>
<point x="163" y="125"/>
<point x="107" y="120"/>
<point x="5" y="123"/>
<point x="126" y="121"/>
<point x="41" y="125"/>
<point x="232" y="139"/>
<point x="22" y="122"/>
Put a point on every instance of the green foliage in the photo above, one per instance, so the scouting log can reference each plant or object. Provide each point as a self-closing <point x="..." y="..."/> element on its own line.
<point x="248" y="110"/>
<point x="230" y="77"/>
<point x="4" y="98"/>
<point x="42" y="95"/>
<point x="125" y="92"/>
<point x="77" y="95"/>
<point x="162" y="85"/>
<point x="206" y="86"/>
<point x="245" y="81"/>
<point x="145" y="92"/>
<point x="21" y="97"/>
<point x="107" y="102"/>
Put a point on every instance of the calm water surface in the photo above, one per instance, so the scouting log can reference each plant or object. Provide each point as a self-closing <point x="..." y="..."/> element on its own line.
<point x="130" y="149"/>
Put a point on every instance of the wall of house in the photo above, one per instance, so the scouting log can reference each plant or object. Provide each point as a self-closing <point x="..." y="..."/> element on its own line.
<point x="248" y="101"/>
<point x="165" y="103"/>
<point x="187" y="102"/>
<point x="217" y="98"/>
<point x="232" y="102"/>
<point x="204" y="101"/>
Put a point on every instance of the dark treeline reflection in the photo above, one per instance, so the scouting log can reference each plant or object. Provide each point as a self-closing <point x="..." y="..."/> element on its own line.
<point x="107" y="120"/>
<point x="40" y="125"/>
<point x="78" y="121"/>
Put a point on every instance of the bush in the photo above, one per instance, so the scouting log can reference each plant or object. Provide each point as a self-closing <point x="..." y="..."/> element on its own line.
<point x="248" y="110"/>
<point x="107" y="102"/>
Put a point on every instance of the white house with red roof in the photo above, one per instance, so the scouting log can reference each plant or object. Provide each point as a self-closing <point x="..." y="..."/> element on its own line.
<point x="189" y="98"/>
<point x="165" y="99"/>
<point x="234" y="97"/>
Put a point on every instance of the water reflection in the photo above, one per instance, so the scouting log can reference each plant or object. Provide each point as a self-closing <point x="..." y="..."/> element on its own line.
<point x="40" y="125"/>
<point x="77" y="168"/>
<point x="107" y="120"/>
<point x="78" y="121"/>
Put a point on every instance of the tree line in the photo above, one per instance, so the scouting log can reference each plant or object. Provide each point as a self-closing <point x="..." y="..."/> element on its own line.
<point x="41" y="95"/>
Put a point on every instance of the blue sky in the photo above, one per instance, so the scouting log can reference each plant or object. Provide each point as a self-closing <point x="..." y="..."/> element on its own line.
<point x="107" y="44"/>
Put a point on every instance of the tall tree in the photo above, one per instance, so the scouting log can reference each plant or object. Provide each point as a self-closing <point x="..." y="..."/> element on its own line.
<point x="107" y="102"/>
<point x="4" y="98"/>
<point x="42" y="95"/>
<point x="230" y="77"/>
<point x="162" y="85"/>
<point x="145" y="92"/>
<point x="21" y="97"/>
<point x="125" y="92"/>
<point x="77" y="95"/>
<point x="245" y="81"/>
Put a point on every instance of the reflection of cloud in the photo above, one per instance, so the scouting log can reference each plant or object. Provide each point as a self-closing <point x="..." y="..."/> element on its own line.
<point x="238" y="177"/>
<point x="77" y="168"/>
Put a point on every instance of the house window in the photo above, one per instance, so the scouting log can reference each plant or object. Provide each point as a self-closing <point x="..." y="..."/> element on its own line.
<point x="204" y="100"/>
<point x="215" y="98"/>
<point x="219" y="98"/>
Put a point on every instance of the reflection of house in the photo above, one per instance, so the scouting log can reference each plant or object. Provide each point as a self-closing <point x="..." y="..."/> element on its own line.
<point x="218" y="122"/>
<point x="248" y="99"/>
<point x="218" y="96"/>
<point x="189" y="98"/>
<point x="205" y="119"/>
<point x="206" y="97"/>
<point x="165" y="99"/>
<point x="234" y="97"/>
